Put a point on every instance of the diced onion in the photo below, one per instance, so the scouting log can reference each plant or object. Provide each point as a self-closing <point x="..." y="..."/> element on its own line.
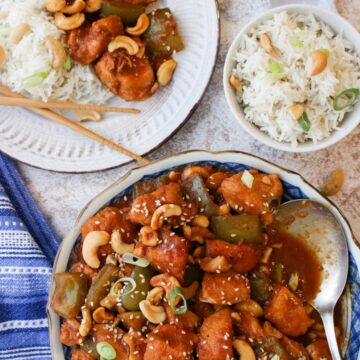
<point x="275" y="71"/>
<point x="34" y="80"/>
<point x="294" y="281"/>
<point x="296" y="42"/>
<point x="247" y="179"/>
<point x="135" y="260"/>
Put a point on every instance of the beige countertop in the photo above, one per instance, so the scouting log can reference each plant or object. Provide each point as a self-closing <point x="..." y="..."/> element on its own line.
<point x="212" y="127"/>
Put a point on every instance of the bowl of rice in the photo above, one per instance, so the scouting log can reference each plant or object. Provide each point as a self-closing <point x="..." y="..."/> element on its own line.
<point x="292" y="78"/>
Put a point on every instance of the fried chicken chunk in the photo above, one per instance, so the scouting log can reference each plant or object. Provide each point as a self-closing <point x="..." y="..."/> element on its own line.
<point x="216" y="337"/>
<point x="129" y="77"/>
<point x="242" y="257"/>
<point x="287" y="312"/>
<point x="253" y="201"/>
<point x="294" y="348"/>
<point x="319" y="350"/>
<point x="224" y="289"/>
<point x="87" y="43"/>
<point x="169" y="342"/>
<point x="248" y="325"/>
<point x="188" y="321"/>
<point x="169" y="256"/>
<point x="69" y="334"/>
<point x="79" y="354"/>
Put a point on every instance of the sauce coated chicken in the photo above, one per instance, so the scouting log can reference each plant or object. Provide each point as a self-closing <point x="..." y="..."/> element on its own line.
<point x="183" y="267"/>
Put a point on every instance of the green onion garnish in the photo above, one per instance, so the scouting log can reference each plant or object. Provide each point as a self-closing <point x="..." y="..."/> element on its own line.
<point x="68" y="62"/>
<point x="326" y="51"/>
<point x="126" y="290"/>
<point x="346" y="98"/>
<point x="4" y="32"/>
<point x="34" y="80"/>
<point x="275" y="71"/>
<point x="106" y="351"/>
<point x="175" y="292"/>
<point x="304" y="122"/>
<point x="296" y="42"/>
<point x="135" y="260"/>
<point x="273" y="203"/>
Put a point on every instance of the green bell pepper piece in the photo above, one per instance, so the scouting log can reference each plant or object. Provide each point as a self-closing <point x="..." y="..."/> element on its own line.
<point x="128" y="13"/>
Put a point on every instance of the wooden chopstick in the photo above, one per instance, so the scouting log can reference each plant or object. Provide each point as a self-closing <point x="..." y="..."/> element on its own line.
<point x="60" y="119"/>
<point x="25" y="102"/>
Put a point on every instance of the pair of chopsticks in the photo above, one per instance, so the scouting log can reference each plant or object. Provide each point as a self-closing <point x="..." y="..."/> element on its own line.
<point x="43" y="109"/>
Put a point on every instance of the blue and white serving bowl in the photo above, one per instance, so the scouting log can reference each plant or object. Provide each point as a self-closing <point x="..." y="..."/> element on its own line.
<point x="295" y="188"/>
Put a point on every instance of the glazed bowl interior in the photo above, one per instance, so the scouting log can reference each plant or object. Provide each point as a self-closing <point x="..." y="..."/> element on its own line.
<point x="294" y="185"/>
<point x="340" y="26"/>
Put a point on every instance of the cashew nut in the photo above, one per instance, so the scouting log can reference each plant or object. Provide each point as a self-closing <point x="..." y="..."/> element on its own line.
<point x="163" y="212"/>
<point x="166" y="71"/>
<point x="269" y="330"/>
<point x="76" y="7"/>
<point x="18" y="32"/>
<point x="199" y="252"/>
<point x="235" y="83"/>
<point x="124" y="42"/>
<point x="141" y="52"/>
<point x="2" y="55"/>
<point x="92" y="242"/>
<point x="190" y="171"/>
<point x="201" y="221"/>
<point x="244" y="349"/>
<point x="149" y="236"/>
<point x="110" y="259"/>
<point x="218" y="264"/>
<point x="191" y="290"/>
<point x="155" y="295"/>
<point x="69" y="22"/>
<point x="101" y="316"/>
<point x="174" y="176"/>
<point x="93" y="5"/>
<point x="86" y="322"/>
<point x="55" y="5"/>
<point x="58" y="52"/>
<point x="87" y="115"/>
<point x="155" y="314"/>
<point x="319" y="62"/>
<point x="110" y="300"/>
<point x="154" y="88"/>
<point x="266" y="43"/>
<point x="167" y="282"/>
<point x="296" y="111"/>
<point x="250" y="306"/>
<point x="118" y="245"/>
<point x="199" y="234"/>
<point x="141" y="26"/>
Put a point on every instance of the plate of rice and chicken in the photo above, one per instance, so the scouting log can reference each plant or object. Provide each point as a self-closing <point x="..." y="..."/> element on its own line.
<point x="156" y="56"/>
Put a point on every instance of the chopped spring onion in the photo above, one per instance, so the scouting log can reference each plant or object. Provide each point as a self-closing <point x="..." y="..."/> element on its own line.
<point x="294" y="281"/>
<point x="4" y="32"/>
<point x="68" y="62"/>
<point x="273" y="203"/>
<point x="296" y="42"/>
<point x="275" y="357"/>
<point x="34" y="80"/>
<point x="247" y="179"/>
<point x="106" y="351"/>
<point x="304" y="122"/>
<point x="278" y="273"/>
<point x="326" y="51"/>
<point x="177" y="292"/>
<point x="129" y="280"/>
<point x="346" y="98"/>
<point x="275" y="71"/>
<point x="135" y="260"/>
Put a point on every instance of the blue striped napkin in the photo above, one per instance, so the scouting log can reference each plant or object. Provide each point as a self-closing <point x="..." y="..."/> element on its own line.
<point x="27" y="250"/>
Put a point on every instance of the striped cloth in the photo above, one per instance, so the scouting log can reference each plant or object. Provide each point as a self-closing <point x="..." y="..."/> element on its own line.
<point x="27" y="250"/>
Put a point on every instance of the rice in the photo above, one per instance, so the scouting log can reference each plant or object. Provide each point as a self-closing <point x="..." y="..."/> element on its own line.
<point x="31" y="56"/>
<point x="266" y="101"/>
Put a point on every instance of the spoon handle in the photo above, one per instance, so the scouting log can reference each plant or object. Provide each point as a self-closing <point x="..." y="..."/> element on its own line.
<point x="328" y="320"/>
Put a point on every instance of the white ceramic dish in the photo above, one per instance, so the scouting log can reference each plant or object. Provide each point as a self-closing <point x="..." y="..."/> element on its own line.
<point x="339" y="25"/>
<point x="39" y="142"/>
<point x="296" y="187"/>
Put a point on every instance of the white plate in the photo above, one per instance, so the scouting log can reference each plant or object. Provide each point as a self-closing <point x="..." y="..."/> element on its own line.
<point x="42" y="143"/>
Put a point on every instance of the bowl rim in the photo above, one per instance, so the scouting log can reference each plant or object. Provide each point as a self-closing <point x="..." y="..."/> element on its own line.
<point x="182" y="158"/>
<point x="352" y="120"/>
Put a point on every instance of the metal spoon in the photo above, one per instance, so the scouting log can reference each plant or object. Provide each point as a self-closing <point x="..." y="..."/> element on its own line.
<point x="318" y="226"/>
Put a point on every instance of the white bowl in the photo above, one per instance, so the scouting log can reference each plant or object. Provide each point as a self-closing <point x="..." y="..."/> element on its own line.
<point x="339" y="25"/>
<point x="295" y="187"/>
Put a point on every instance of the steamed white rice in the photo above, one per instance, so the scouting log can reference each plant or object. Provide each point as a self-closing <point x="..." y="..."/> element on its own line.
<point x="32" y="56"/>
<point x="266" y="101"/>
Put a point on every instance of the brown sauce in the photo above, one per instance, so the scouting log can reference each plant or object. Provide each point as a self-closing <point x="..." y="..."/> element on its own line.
<point x="297" y="257"/>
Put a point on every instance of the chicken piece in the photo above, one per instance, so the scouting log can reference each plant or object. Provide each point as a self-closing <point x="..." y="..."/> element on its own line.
<point x="188" y="321"/>
<point x="295" y="349"/>
<point x="253" y="201"/>
<point x="224" y="289"/>
<point x="81" y="267"/>
<point x="203" y="310"/>
<point x="110" y="219"/>
<point x="287" y="312"/>
<point x="113" y="336"/>
<point x="319" y="350"/>
<point x="169" y="342"/>
<point x="243" y="257"/>
<point x="69" y="334"/>
<point x="169" y="256"/>
<point x="79" y="354"/>
<point x="87" y="43"/>
<point x="248" y="325"/>
<point x="216" y="337"/>
<point x="129" y="77"/>
<point x="136" y="343"/>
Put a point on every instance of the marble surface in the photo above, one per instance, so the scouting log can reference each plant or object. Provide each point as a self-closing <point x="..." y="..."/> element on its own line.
<point x="212" y="127"/>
